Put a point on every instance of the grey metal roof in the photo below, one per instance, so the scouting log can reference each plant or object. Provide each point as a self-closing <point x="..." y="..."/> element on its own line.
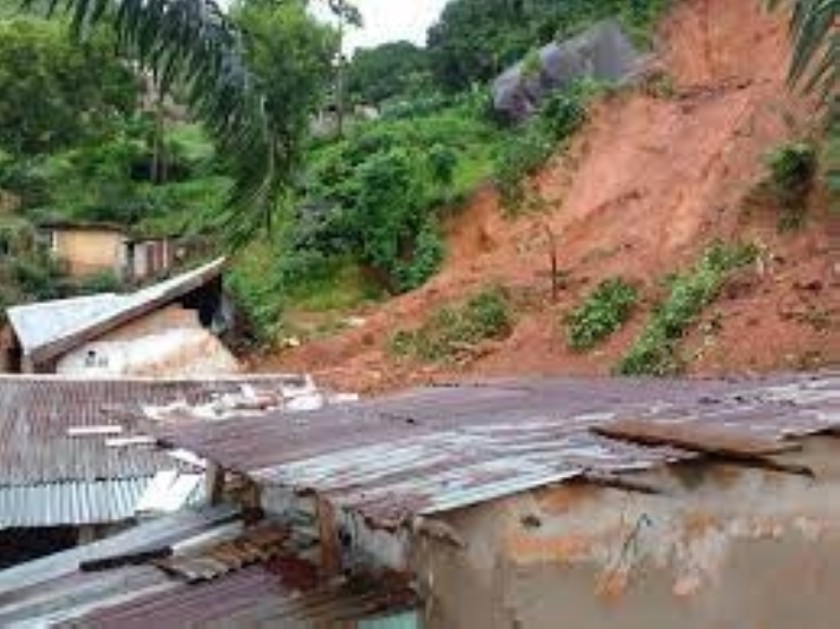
<point x="73" y="503"/>
<point x="47" y="329"/>
<point x="40" y="323"/>
<point x="48" y="477"/>
<point x="439" y="449"/>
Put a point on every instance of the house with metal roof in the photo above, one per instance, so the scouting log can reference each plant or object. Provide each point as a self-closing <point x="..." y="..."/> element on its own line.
<point x="539" y="503"/>
<point x="73" y="466"/>
<point x="168" y="329"/>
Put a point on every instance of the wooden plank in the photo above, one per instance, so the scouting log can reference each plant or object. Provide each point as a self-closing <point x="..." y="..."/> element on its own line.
<point x="695" y="436"/>
<point x="134" y="558"/>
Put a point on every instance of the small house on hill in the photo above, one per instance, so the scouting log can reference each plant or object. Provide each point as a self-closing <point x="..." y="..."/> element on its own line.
<point x="88" y="249"/>
<point x="168" y="329"/>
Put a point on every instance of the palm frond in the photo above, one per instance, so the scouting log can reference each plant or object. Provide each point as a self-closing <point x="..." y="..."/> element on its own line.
<point x="194" y="43"/>
<point x="814" y="26"/>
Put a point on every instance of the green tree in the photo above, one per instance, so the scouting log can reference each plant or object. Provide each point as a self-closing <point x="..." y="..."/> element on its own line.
<point x="291" y="55"/>
<point x="55" y="94"/>
<point x="391" y="70"/>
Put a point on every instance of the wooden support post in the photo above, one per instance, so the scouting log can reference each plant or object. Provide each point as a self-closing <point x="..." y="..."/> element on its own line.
<point x="328" y="537"/>
<point x="215" y="483"/>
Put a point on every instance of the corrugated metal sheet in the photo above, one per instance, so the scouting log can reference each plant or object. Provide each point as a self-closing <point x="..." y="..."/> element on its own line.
<point x="46" y="329"/>
<point x="252" y="598"/>
<point x="40" y="323"/>
<point x="440" y="449"/>
<point x="280" y="590"/>
<point x="69" y="503"/>
<point x="48" y="477"/>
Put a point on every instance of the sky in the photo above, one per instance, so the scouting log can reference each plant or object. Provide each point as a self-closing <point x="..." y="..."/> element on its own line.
<point x="391" y="20"/>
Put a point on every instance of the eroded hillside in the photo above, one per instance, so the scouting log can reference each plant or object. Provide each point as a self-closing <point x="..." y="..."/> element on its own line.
<point x="654" y="178"/>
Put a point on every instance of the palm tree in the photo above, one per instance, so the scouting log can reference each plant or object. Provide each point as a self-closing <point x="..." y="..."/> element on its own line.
<point x="815" y="30"/>
<point x="193" y="43"/>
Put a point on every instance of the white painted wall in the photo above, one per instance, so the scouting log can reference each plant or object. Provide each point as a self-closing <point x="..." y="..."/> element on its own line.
<point x="174" y="352"/>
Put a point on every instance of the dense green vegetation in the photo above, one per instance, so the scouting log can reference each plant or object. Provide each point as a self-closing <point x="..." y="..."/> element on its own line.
<point x="455" y="331"/>
<point x="397" y="70"/>
<point x="603" y="312"/>
<point x="656" y="350"/>
<point x="476" y="39"/>
<point x="56" y="94"/>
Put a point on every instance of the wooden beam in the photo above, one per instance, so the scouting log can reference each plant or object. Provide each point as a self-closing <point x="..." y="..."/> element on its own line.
<point x="328" y="537"/>
<point x="696" y="436"/>
<point x="214" y="477"/>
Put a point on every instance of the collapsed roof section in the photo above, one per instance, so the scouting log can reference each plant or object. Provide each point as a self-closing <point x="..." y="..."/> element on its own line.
<point x="49" y="329"/>
<point x="440" y="449"/>
<point x="195" y="569"/>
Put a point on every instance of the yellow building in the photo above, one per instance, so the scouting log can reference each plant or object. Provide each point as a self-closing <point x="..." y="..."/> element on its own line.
<point x="91" y="249"/>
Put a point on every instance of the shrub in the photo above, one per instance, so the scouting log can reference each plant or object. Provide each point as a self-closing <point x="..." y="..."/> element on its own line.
<point x="105" y="282"/>
<point x="451" y="331"/>
<point x="792" y="169"/>
<point x="603" y="313"/>
<point x="655" y="351"/>
<point x="559" y="118"/>
<point x="375" y="197"/>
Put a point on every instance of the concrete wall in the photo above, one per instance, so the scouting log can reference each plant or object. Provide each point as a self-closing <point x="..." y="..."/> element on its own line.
<point x="166" y="343"/>
<point x="725" y="547"/>
<point x="89" y="251"/>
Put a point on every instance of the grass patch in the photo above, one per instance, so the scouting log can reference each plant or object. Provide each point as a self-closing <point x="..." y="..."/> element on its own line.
<point x="454" y="330"/>
<point x="603" y="313"/>
<point x="655" y="352"/>
<point x="536" y="141"/>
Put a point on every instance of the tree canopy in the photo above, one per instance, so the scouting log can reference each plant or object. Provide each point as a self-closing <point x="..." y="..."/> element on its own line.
<point x="57" y="94"/>
<point x="397" y="69"/>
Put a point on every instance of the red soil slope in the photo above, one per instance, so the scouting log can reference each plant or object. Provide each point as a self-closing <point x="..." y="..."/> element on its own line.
<point x="646" y="186"/>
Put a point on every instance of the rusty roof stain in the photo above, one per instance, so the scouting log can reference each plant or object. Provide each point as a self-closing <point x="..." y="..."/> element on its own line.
<point x="438" y="449"/>
<point x="48" y="329"/>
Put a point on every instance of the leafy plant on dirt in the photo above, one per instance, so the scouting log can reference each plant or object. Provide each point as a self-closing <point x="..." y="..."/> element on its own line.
<point x="656" y="350"/>
<point x="559" y="118"/>
<point x="453" y="331"/>
<point x="792" y="170"/>
<point x="605" y="310"/>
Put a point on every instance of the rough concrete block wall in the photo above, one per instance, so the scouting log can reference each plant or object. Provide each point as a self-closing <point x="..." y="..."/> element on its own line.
<point x="723" y="546"/>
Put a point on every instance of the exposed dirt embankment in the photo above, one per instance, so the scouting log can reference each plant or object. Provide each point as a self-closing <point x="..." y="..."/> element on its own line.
<point x="647" y="185"/>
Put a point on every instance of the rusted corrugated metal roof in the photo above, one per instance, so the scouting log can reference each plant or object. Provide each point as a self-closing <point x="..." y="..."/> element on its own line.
<point x="249" y="578"/>
<point x="48" y="329"/>
<point x="439" y="449"/>
<point x="254" y="597"/>
<point x="50" y="478"/>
